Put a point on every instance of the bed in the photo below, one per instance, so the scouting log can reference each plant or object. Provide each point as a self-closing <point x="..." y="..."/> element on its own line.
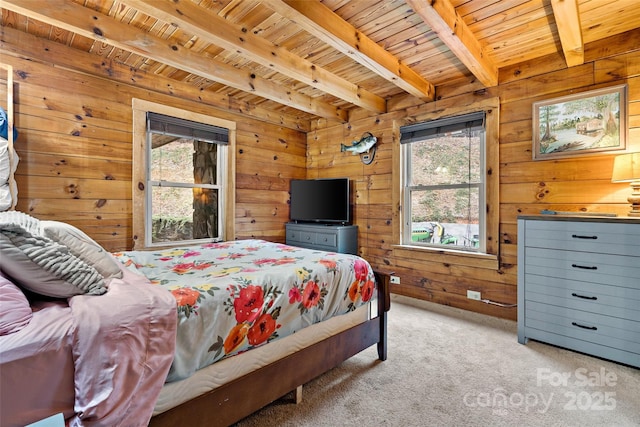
<point x="132" y="341"/>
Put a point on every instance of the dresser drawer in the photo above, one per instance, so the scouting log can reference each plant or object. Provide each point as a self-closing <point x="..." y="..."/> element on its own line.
<point x="605" y="330"/>
<point x="595" y="298"/>
<point x="587" y="347"/>
<point x="293" y="235"/>
<point x="605" y="238"/>
<point x="329" y="240"/>
<point x="617" y="270"/>
<point x="308" y="237"/>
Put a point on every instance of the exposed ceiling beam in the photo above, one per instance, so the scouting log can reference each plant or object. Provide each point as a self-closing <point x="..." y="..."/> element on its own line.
<point x="567" y="20"/>
<point x="442" y="18"/>
<point x="25" y="45"/>
<point x="212" y="28"/>
<point x="94" y="25"/>
<point x="323" y="23"/>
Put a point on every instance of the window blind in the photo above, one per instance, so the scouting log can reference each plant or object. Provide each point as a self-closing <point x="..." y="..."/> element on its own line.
<point x="166" y="125"/>
<point x="433" y="128"/>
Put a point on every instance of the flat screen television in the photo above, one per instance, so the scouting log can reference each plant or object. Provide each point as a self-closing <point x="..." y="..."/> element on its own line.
<point x="320" y="200"/>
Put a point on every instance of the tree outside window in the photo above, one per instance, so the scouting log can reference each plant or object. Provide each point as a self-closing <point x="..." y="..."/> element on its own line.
<point x="184" y="189"/>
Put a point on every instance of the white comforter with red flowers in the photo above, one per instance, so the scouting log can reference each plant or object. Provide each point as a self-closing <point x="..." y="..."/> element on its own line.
<point x="237" y="295"/>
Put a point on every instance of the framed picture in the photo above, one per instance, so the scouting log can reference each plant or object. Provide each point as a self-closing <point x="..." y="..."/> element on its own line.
<point x="587" y="123"/>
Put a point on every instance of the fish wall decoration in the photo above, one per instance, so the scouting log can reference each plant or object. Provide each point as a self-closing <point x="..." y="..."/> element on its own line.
<point x="366" y="147"/>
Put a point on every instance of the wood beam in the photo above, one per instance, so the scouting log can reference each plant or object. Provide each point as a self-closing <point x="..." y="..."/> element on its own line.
<point x="442" y="18"/>
<point x="324" y="24"/>
<point x="567" y="20"/>
<point x="24" y="45"/>
<point x="214" y="29"/>
<point x="99" y="27"/>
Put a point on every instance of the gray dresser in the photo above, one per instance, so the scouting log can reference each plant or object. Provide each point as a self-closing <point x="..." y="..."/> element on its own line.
<point x="332" y="238"/>
<point x="579" y="284"/>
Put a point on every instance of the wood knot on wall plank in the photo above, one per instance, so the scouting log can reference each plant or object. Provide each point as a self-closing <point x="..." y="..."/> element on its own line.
<point x="542" y="190"/>
<point x="73" y="190"/>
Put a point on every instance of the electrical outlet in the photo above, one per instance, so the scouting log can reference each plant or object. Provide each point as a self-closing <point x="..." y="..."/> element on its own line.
<point x="395" y="280"/>
<point x="474" y="295"/>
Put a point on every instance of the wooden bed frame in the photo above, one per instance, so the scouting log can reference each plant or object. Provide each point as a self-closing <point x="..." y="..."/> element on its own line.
<point x="234" y="401"/>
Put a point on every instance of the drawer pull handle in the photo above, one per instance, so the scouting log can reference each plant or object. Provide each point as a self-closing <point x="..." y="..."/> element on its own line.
<point x="584" y="267"/>
<point x="591" y="328"/>
<point x="583" y="296"/>
<point x="578" y="236"/>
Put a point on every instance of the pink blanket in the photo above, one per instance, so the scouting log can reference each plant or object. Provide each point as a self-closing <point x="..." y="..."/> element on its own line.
<point x="36" y="367"/>
<point x="123" y="345"/>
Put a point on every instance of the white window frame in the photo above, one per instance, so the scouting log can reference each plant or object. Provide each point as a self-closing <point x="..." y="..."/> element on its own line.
<point x="409" y="188"/>
<point x="141" y="174"/>
<point x="437" y="110"/>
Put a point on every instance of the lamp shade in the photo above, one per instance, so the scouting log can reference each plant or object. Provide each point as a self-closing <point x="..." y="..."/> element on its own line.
<point x="626" y="168"/>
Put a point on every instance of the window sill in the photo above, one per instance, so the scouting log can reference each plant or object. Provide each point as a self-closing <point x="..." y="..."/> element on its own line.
<point x="447" y="256"/>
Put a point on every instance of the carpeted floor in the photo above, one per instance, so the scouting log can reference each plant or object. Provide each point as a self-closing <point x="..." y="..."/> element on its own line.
<point x="450" y="367"/>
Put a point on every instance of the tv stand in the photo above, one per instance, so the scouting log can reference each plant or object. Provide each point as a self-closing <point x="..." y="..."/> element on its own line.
<point x="326" y="237"/>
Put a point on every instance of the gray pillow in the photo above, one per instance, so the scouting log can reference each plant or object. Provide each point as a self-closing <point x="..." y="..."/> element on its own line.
<point x="82" y="246"/>
<point x="41" y="265"/>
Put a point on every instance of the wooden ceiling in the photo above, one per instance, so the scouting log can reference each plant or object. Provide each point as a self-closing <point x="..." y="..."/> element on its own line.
<point x="307" y="60"/>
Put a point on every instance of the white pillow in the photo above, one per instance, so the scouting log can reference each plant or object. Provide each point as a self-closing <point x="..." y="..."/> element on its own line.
<point x="82" y="246"/>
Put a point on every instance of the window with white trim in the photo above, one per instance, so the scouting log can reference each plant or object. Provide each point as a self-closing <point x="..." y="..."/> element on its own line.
<point x="185" y="180"/>
<point x="444" y="188"/>
<point x="193" y="160"/>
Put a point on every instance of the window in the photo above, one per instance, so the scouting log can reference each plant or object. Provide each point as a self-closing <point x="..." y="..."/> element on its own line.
<point x="444" y="195"/>
<point x="183" y="177"/>
<point x="184" y="181"/>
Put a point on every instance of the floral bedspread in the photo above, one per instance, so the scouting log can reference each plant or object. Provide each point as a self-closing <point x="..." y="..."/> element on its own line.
<point x="236" y="295"/>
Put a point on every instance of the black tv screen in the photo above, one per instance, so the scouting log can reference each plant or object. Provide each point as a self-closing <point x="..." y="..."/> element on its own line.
<point x="320" y="200"/>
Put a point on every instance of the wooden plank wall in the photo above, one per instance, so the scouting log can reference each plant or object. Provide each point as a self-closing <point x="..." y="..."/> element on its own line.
<point x="76" y="152"/>
<point x="75" y="148"/>
<point x="526" y="187"/>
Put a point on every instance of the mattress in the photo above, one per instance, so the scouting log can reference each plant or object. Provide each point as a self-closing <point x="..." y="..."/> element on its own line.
<point x="226" y="370"/>
<point x="238" y="295"/>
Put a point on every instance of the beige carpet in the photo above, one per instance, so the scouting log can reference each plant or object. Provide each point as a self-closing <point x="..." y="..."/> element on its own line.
<point x="450" y="367"/>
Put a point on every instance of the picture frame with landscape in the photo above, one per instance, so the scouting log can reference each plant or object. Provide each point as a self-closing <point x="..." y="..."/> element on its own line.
<point x="587" y="123"/>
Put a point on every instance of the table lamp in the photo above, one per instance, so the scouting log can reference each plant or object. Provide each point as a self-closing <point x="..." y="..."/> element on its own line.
<point x="626" y="168"/>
